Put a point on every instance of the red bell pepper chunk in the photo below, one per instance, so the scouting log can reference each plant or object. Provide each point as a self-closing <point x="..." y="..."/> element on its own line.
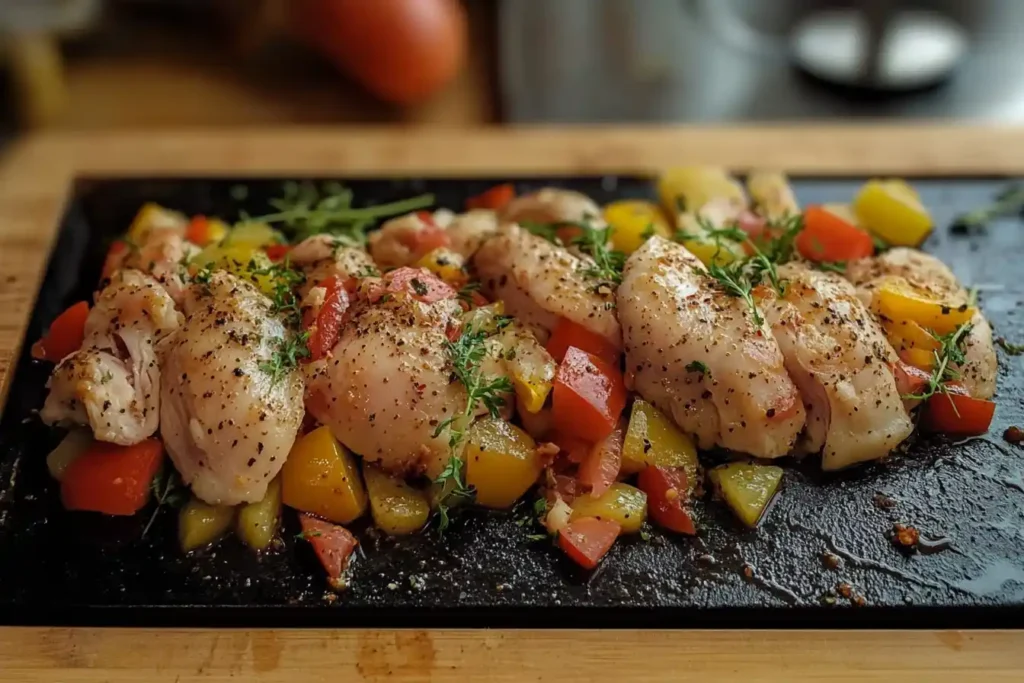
<point x="601" y="465"/>
<point x="827" y="237"/>
<point x="495" y="198"/>
<point x="954" y="412"/>
<point x="65" y="335"/>
<point x="666" y="491"/>
<point x="277" y="252"/>
<point x="111" y="479"/>
<point x="332" y="544"/>
<point x="588" y="396"/>
<point x="324" y="330"/>
<point x="909" y="379"/>
<point x="429" y="237"/>
<point x="568" y="333"/>
<point x="588" y="539"/>
<point x="420" y="283"/>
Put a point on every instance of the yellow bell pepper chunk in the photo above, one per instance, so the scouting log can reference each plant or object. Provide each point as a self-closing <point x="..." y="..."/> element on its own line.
<point x="216" y="230"/>
<point x="633" y="221"/>
<point x="321" y="477"/>
<point x="695" y="238"/>
<point x="622" y="503"/>
<point x="397" y="508"/>
<point x="653" y="439"/>
<point x="200" y="524"/>
<point x="772" y="195"/>
<point x="896" y="300"/>
<point x="907" y="334"/>
<point x="152" y="216"/>
<point x="255" y="235"/>
<point x="919" y="358"/>
<point x="446" y="264"/>
<point x="531" y="393"/>
<point x="892" y="210"/>
<point x="690" y="188"/>
<point x="747" y="488"/>
<point x="502" y="462"/>
<point x="257" y="522"/>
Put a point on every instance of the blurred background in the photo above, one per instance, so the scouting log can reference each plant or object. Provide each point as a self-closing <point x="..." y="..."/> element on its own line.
<point x="88" y="64"/>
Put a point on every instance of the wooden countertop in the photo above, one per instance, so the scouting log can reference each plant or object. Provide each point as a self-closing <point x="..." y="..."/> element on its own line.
<point x="34" y="178"/>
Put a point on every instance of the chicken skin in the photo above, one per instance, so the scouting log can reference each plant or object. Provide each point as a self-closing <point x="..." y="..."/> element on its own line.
<point x="696" y="353"/>
<point x="227" y="417"/>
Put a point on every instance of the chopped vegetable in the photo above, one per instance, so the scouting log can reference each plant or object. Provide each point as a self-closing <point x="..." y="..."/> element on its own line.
<point x="708" y="243"/>
<point x="257" y="522"/>
<point x="419" y="283"/>
<point x="254" y="234"/>
<point x="502" y="462"/>
<point x="429" y="237"/>
<point x="623" y="504"/>
<point x="588" y="397"/>
<point x="495" y="198"/>
<point x="65" y="335"/>
<point x="397" y="507"/>
<point x="919" y="358"/>
<point x="71" y="447"/>
<point x="691" y="188"/>
<point x="668" y="492"/>
<point x="114" y="480"/>
<point x="910" y="380"/>
<point x="747" y="488"/>
<point x="633" y="222"/>
<point x="586" y="540"/>
<point x="897" y="300"/>
<point x="202" y="230"/>
<point x="954" y="412"/>
<point x="332" y="544"/>
<point x="600" y="467"/>
<point x="827" y="237"/>
<point x="276" y="252"/>
<point x="324" y="329"/>
<point x="653" y="439"/>
<point x="771" y="195"/>
<point x="892" y="210"/>
<point x="907" y="334"/>
<point x="153" y="216"/>
<point x="445" y="264"/>
<point x="200" y="524"/>
<point x="568" y="333"/>
<point x="320" y="476"/>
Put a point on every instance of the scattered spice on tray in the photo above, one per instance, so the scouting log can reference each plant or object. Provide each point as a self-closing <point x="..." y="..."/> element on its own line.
<point x="884" y="502"/>
<point x="905" y="536"/>
<point x="844" y="589"/>
<point x="748" y="572"/>
<point x="830" y="560"/>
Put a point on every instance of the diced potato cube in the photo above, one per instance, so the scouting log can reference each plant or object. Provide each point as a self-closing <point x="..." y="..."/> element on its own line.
<point x="321" y="477"/>
<point x="892" y="210"/>
<point x="622" y="503"/>
<point x="747" y="488"/>
<point x="690" y="188"/>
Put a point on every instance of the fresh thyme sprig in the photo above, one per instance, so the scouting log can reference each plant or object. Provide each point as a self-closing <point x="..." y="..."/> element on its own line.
<point x="1007" y="203"/>
<point x="291" y="348"/>
<point x="306" y="210"/>
<point x="949" y="353"/>
<point x="608" y="263"/>
<point x="736" y="281"/>
<point x="283" y="281"/>
<point x="168" y="490"/>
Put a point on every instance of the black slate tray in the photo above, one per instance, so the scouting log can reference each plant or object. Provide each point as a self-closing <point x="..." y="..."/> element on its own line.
<point x="61" y="568"/>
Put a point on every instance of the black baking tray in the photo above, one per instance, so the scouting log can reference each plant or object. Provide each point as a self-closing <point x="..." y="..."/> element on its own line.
<point x="968" y="497"/>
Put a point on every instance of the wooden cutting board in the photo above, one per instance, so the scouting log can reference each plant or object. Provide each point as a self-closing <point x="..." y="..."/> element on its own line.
<point x="35" y="177"/>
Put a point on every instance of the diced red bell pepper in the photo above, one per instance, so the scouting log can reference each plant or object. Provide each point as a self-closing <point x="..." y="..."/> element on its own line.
<point x="588" y="396"/>
<point x="111" y="479"/>
<point x="828" y="237"/>
<point x="428" y="238"/>
<point x="495" y="198"/>
<point x="277" y="252"/>
<point x="954" y="412"/>
<point x="909" y="379"/>
<point x="324" y="330"/>
<point x="666" y="491"/>
<point x="420" y="283"/>
<point x="602" y="463"/>
<point x="572" y="448"/>
<point x="588" y="539"/>
<point x="65" y="336"/>
<point x="332" y="543"/>
<point x="568" y="333"/>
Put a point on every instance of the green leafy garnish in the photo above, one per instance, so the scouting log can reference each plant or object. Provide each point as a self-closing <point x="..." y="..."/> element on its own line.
<point x="453" y="489"/>
<point x="735" y="280"/>
<point x="949" y="353"/>
<point x="548" y="231"/>
<point x="1010" y="347"/>
<point x="291" y="348"/>
<point x="1007" y="203"/>
<point x="698" y="366"/>
<point x="608" y="263"/>
<point x="833" y="266"/>
<point x="648" y="232"/>
<point x="283" y="280"/>
<point x="306" y="535"/>
<point x="168" y="490"/>
<point x="467" y="291"/>
<point x="881" y="245"/>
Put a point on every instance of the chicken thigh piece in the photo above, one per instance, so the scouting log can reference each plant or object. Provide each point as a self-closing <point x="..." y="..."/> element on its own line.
<point x="553" y="205"/>
<point x="842" y="363"/>
<point x="928" y="274"/>
<point x="227" y="417"/>
<point x="112" y="384"/>
<point x="696" y="353"/>
<point x="468" y="231"/>
<point x="541" y="283"/>
<point x="322" y="256"/>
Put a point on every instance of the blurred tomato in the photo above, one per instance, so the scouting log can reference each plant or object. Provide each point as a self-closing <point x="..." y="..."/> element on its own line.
<point x="401" y="50"/>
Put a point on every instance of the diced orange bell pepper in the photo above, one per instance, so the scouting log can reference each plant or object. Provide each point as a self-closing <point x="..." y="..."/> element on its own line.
<point x="897" y="300"/>
<point x="114" y="480"/>
<point x="65" y="335"/>
<point x="589" y="396"/>
<point x="827" y="237"/>
<point x="495" y="198"/>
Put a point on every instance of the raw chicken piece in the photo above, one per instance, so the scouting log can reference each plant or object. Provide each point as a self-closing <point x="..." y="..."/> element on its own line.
<point x="112" y="383"/>
<point x="227" y="421"/>
<point x="160" y="254"/>
<point x="541" y="282"/>
<point x="399" y="241"/>
<point x="694" y="352"/>
<point x="388" y="384"/>
<point x="467" y="231"/>
<point x="841" y="362"/>
<point x="927" y="273"/>
<point x="553" y="205"/>
<point x="321" y="257"/>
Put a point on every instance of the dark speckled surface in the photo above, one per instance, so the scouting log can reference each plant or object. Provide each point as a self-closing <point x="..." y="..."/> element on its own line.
<point x="57" y="567"/>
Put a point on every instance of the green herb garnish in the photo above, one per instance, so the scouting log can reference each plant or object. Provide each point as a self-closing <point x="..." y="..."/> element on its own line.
<point x="698" y="366"/>
<point x="949" y="353"/>
<point x="168" y="490"/>
<point x="1010" y="347"/>
<point x="833" y="266"/>
<point x="1007" y="203"/>
<point x="608" y="263"/>
<point x="291" y="348"/>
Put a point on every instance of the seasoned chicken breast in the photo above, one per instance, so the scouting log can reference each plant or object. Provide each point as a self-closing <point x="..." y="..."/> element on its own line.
<point x="927" y="273"/>
<point x="696" y="353"/>
<point x="322" y="256"/>
<point x="228" y="419"/>
<point x="468" y="231"/>
<point x="839" y="359"/>
<point x="541" y="282"/>
<point x="553" y="205"/>
<point x="161" y="254"/>
<point x="112" y="384"/>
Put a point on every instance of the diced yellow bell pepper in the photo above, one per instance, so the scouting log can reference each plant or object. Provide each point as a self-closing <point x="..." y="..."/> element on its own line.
<point x="653" y="439"/>
<point x="892" y="210"/>
<point x="919" y="358"/>
<point x="321" y="477"/>
<point x="243" y="260"/>
<point x="531" y="393"/>
<point x="633" y="221"/>
<point x="397" y="507"/>
<point x="216" y="231"/>
<point x="256" y="235"/>
<point x="502" y="462"/>
<point x="447" y="265"/>
<point x="772" y="195"/>
<point x="621" y="503"/>
<point x="721" y="251"/>
<point x="896" y="300"/>
<point x="76" y="442"/>
<point x="152" y="216"/>
<point x="200" y="524"/>
<point x="257" y="522"/>
<point x="484" y="318"/>
<point x="690" y="188"/>
<point x="907" y="334"/>
<point x="747" y="488"/>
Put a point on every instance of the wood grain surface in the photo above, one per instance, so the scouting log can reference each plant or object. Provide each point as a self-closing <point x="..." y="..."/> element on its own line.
<point x="35" y="176"/>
